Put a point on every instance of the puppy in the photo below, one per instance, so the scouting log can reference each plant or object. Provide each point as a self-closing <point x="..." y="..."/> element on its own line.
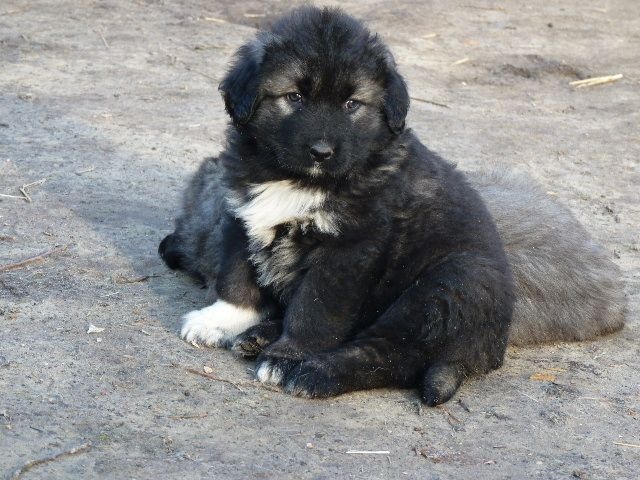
<point x="345" y="254"/>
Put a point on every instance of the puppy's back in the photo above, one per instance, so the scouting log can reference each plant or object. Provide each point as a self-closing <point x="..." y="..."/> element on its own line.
<point x="194" y="246"/>
<point x="567" y="288"/>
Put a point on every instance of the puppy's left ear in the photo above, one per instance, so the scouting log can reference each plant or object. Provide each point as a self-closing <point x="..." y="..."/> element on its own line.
<point x="240" y="87"/>
<point x="396" y="100"/>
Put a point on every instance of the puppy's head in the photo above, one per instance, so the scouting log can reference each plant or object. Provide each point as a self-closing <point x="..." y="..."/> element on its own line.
<point x="318" y="93"/>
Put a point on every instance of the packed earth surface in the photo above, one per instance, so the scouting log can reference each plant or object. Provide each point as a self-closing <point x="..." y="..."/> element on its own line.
<point x="107" y="107"/>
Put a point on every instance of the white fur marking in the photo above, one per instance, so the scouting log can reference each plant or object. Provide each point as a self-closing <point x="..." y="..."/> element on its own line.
<point x="315" y="170"/>
<point x="284" y="105"/>
<point x="269" y="374"/>
<point x="218" y="324"/>
<point x="274" y="203"/>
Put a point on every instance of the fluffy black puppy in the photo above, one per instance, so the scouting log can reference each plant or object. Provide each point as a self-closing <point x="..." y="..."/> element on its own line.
<point x="374" y="257"/>
<point x="347" y="256"/>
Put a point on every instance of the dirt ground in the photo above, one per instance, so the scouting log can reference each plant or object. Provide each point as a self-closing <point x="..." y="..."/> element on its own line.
<point x="114" y="103"/>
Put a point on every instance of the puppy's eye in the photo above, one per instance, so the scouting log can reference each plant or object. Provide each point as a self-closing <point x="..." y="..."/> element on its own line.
<point x="352" y="105"/>
<point x="294" y="97"/>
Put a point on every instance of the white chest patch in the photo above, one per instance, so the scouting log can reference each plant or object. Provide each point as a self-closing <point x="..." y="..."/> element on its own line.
<point x="273" y="203"/>
<point x="270" y="204"/>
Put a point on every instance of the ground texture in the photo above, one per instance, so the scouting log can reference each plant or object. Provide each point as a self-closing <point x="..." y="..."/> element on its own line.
<point x="114" y="103"/>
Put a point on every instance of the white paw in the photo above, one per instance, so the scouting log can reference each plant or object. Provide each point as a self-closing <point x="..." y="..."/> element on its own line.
<point x="268" y="373"/>
<point x="219" y="324"/>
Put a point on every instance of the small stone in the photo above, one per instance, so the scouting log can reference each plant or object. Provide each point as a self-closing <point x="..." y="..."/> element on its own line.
<point x="93" y="329"/>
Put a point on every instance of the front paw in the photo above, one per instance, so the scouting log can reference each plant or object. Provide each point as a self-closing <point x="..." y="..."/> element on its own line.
<point x="217" y="325"/>
<point x="314" y="378"/>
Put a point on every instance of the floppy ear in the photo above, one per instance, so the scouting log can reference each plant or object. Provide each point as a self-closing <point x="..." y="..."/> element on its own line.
<point x="396" y="100"/>
<point x="240" y="87"/>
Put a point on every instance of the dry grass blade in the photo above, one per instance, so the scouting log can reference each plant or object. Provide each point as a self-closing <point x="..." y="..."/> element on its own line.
<point x="33" y="184"/>
<point x="461" y="61"/>
<point x="24" y="189"/>
<point x="25" y="194"/>
<point x="104" y="40"/>
<point x="214" y="19"/>
<point x="86" y="170"/>
<point x="632" y="445"/>
<point x="593" y="81"/>
<point x="21" y="197"/>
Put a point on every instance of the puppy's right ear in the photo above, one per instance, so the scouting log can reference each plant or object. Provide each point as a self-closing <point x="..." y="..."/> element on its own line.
<point x="240" y="87"/>
<point x="396" y="101"/>
<point x="396" y="96"/>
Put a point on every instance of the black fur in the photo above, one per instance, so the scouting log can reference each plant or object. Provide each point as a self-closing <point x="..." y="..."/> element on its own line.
<point x="390" y="271"/>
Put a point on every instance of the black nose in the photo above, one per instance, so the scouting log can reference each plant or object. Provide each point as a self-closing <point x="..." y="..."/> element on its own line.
<point x="321" y="151"/>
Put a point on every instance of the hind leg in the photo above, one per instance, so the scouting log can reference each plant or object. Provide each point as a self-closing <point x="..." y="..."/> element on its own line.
<point x="361" y="365"/>
<point x="441" y="381"/>
<point x="374" y="363"/>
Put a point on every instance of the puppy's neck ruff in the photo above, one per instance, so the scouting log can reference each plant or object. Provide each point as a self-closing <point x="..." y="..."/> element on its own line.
<point x="267" y="205"/>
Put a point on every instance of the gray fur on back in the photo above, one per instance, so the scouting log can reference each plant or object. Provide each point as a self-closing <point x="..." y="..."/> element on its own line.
<point x="567" y="288"/>
<point x="198" y="228"/>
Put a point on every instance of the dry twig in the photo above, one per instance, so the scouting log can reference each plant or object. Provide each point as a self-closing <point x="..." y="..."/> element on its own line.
<point x="86" y="170"/>
<point x="478" y="7"/>
<point x="214" y="377"/>
<point x="24" y="189"/>
<point x="27" y="261"/>
<point x="235" y="384"/>
<point x="120" y="279"/>
<point x="450" y="416"/>
<point x="34" y="463"/>
<point x="424" y="100"/>
<point x="188" y="417"/>
<point x="190" y="69"/>
<point x="368" y="452"/>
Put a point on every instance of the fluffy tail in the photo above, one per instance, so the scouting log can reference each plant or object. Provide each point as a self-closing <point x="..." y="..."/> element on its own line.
<point x="567" y="288"/>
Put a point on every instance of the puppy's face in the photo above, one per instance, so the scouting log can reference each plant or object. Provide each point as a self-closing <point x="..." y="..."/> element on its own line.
<point x="318" y="95"/>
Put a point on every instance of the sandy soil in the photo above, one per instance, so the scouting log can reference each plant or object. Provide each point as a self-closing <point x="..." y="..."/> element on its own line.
<point x="114" y="103"/>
